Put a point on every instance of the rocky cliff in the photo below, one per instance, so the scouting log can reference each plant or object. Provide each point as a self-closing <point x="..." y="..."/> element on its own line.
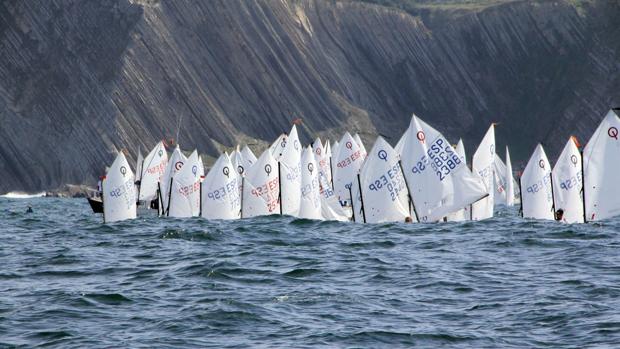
<point x="80" y="79"/>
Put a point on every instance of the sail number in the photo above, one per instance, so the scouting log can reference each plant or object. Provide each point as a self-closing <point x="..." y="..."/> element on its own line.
<point x="349" y="159"/>
<point x="572" y="182"/>
<point x="225" y="191"/>
<point x="540" y="185"/>
<point x="441" y="159"/>
<point x="268" y="193"/>
<point x="157" y="169"/>
<point x="392" y="180"/>
<point x="125" y="192"/>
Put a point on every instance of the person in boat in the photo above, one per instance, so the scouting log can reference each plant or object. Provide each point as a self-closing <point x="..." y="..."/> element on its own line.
<point x="29" y="209"/>
<point x="559" y="215"/>
<point x="408" y="219"/>
<point x="99" y="189"/>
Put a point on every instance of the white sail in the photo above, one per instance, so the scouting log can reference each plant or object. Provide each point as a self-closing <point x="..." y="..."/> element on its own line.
<point x="119" y="196"/>
<point x="482" y="164"/>
<point x="500" y="181"/>
<point x="317" y="147"/>
<point x="221" y="196"/>
<point x="567" y="183"/>
<point x="261" y="188"/>
<point x="290" y="172"/>
<point x="185" y="193"/>
<point x="239" y="165"/>
<point x="177" y="159"/>
<point x="601" y="158"/>
<point x="334" y="153"/>
<point x="327" y="157"/>
<point x="464" y="213"/>
<point x="346" y="163"/>
<point x="536" y="190"/>
<point x="248" y="156"/>
<point x="310" y="206"/>
<point x="384" y="192"/>
<point x="139" y="162"/>
<point x="328" y="149"/>
<point x="359" y="142"/>
<point x="510" y="181"/>
<point x="330" y="206"/>
<point x="138" y="175"/>
<point x="322" y="160"/>
<point x="152" y="170"/>
<point x="277" y="147"/>
<point x="439" y="180"/>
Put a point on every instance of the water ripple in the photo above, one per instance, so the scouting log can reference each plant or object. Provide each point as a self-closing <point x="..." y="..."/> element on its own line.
<point x="69" y="281"/>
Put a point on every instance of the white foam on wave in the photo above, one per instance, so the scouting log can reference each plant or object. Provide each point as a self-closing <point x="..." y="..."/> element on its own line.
<point x="22" y="195"/>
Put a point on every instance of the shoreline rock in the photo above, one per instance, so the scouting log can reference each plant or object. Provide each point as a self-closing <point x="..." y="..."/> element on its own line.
<point x="71" y="191"/>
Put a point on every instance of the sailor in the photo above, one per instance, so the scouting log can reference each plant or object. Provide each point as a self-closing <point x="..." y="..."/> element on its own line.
<point x="559" y="215"/>
<point x="99" y="188"/>
<point x="408" y="219"/>
<point x="29" y="210"/>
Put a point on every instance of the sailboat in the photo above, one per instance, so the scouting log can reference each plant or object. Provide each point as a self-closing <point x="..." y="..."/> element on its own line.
<point x="536" y="187"/>
<point x="261" y="188"/>
<point x="601" y="191"/>
<point x="150" y="172"/>
<point x="221" y="195"/>
<point x="439" y="181"/>
<point x="185" y="192"/>
<point x="177" y="160"/>
<point x="500" y="181"/>
<point x="310" y="203"/>
<point x="384" y="193"/>
<point x="322" y="159"/>
<point x="290" y="174"/>
<point x="483" y="164"/>
<point x="119" y="196"/>
<point x="346" y="162"/>
<point x="567" y="183"/>
<point x="330" y="206"/>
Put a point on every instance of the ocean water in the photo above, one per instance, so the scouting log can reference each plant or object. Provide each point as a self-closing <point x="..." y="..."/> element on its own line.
<point x="68" y="281"/>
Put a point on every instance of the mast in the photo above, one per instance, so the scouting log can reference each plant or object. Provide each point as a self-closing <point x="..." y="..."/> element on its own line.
<point x="552" y="194"/>
<point x="200" y="205"/>
<point x="280" y="186"/>
<point x="169" y="197"/>
<point x="241" y="198"/>
<point x="411" y="203"/>
<point x="102" y="195"/>
<point x="352" y="208"/>
<point x="583" y="189"/>
<point x="359" y="183"/>
<point x="520" y="195"/>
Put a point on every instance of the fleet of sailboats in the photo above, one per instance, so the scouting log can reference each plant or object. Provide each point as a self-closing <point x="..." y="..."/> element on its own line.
<point x="424" y="178"/>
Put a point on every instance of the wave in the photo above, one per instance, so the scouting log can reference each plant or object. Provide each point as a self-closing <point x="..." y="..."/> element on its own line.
<point x="22" y="195"/>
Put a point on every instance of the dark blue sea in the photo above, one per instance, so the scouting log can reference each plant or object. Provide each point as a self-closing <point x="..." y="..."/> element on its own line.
<point x="69" y="281"/>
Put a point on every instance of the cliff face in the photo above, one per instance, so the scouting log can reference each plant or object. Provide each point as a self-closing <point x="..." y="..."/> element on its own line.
<point x="82" y="79"/>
